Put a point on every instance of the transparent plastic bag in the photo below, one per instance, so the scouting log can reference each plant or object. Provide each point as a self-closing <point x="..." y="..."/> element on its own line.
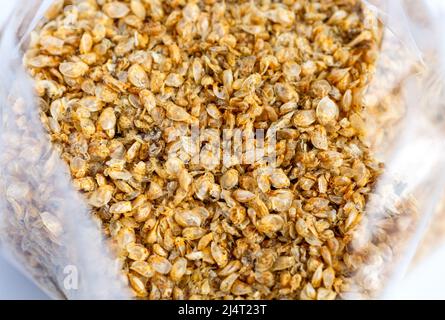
<point x="46" y="227"/>
<point x="408" y="84"/>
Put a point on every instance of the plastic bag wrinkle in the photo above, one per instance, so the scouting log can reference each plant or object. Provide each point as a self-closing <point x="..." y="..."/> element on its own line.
<point x="45" y="225"/>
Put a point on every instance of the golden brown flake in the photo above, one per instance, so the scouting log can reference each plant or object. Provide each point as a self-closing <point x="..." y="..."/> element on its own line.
<point x="124" y="83"/>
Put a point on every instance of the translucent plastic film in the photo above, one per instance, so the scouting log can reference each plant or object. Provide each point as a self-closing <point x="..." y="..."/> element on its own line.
<point x="352" y="225"/>
<point x="45" y="226"/>
<point x="405" y="108"/>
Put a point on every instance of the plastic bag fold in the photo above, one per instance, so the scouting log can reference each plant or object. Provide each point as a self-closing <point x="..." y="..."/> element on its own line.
<point x="46" y="227"/>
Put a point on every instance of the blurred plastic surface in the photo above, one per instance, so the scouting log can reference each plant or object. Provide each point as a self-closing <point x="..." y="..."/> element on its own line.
<point x="415" y="158"/>
<point x="15" y="286"/>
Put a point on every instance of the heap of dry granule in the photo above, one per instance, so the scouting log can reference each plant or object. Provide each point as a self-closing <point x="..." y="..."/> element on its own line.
<point x="122" y="83"/>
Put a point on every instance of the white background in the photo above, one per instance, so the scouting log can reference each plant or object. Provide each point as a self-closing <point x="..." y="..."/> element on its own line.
<point x="14" y="285"/>
<point x="426" y="281"/>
